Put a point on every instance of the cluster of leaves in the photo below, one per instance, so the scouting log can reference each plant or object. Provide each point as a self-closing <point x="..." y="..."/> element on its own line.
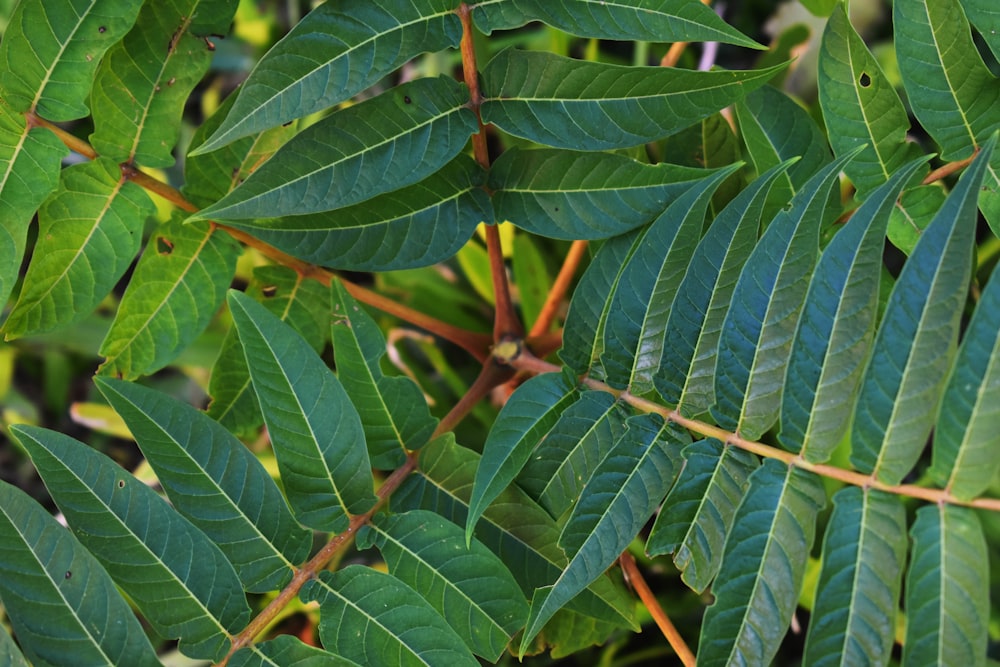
<point x="734" y="332"/>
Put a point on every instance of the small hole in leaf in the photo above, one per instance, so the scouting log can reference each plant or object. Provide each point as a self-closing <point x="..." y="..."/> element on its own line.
<point x="102" y="30"/>
<point x="69" y="573"/>
<point x="865" y="80"/>
<point x="121" y="484"/>
<point x="269" y="291"/>
<point x="406" y="98"/>
<point x="164" y="246"/>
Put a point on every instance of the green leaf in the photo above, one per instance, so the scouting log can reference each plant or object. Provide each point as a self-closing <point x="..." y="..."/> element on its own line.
<point x="836" y="327"/>
<point x="756" y="337"/>
<point x="295" y="299"/>
<point x="287" y="651"/>
<point x="574" y="195"/>
<point x="637" y="315"/>
<point x="916" y="342"/>
<point x="582" y="105"/>
<point x="418" y="225"/>
<point x="390" y="141"/>
<point x="331" y="55"/>
<point x="758" y="586"/>
<point x="985" y="17"/>
<point x="864" y="551"/>
<point x="950" y="89"/>
<point x="29" y="172"/>
<point x="375" y="619"/>
<point x="698" y="514"/>
<point x="215" y="482"/>
<point x="967" y="432"/>
<point x="914" y="211"/>
<point x="58" y="598"/>
<point x="513" y="527"/>
<point x="315" y="430"/>
<point x="623" y="493"/>
<point x="568" y="455"/>
<point x="947" y="589"/>
<point x="176" y="288"/>
<point x="50" y="51"/>
<point x="525" y="419"/>
<point x="471" y="588"/>
<point x="860" y="106"/>
<point x="89" y="233"/>
<point x="141" y="87"/>
<point x="686" y="375"/>
<point x="393" y="411"/>
<point x="151" y="551"/>
<point x="531" y="275"/>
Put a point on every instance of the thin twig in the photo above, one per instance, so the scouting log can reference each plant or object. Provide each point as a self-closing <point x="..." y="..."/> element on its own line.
<point x="634" y="577"/>
<point x="949" y="169"/>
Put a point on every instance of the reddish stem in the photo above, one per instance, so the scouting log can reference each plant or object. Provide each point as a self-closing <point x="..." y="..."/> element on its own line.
<point x="634" y="577"/>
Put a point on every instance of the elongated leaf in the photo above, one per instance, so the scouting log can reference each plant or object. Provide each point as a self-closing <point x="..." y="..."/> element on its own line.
<point x="89" y="232"/>
<point x="836" y="328"/>
<point x="525" y="419"/>
<point x="287" y="651"/>
<point x="175" y="290"/>
<point x="583" y="335"/>
<point x="686" y="375"/>
<point x="776" y="129"/>
<point x="947" y="589"/>
<point x="375" y="619"/>
<point x="864" y="551"/>
<point x="756" y="337"/>
<point x="860" y="106"/>
<point x="985" y="17"/>
<point x="151" y="551"/>
<point x="331" y="55"/>
<point x="574" y="195"/>
<point x="762" y="569"/>
<point x="914" y="211"/>
<point x="568" y="455"/>
<point x="216" y="482"/>
<point x="637" y="316"/>
<point x="698" y="514"/>
<point x="393" y="410"/>
<point x="382" y="144"/>
<point x="582" y="105"/>
<point x="967" y="432"/>
<point x="315" y="430"/>
<point x="415" y="226"/>
<point x="616" y="502"/>
<point x="58" y="598"/>
<point x="522" y="534"/>
<point x="141" y="87"/>
<point x="470" y="588"/>
<point x="295" y="299"/>
<point x="29" y="172"/>
<point x="950" y="89"/>
<point x="50" y="51"/>
<point x="916" y="341"/>
<point x="530" y="272"/>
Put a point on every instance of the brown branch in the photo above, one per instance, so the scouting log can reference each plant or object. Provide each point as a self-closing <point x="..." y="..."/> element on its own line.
<point x="559" y="288"/>
<point x="949" y="169"/>
<point x="676" y="49"/>
<point x="492" y="375"/>
<point x="72" y="142"/>
<point x="634" y="578"/>
<point x="530" y="363"/>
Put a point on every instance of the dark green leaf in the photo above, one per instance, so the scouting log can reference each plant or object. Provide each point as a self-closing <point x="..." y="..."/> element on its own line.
<point x="985" y="17"/>
<point x="573" y="195"/>
<point x="835" y="330"/>
<point x="913" y="212"/>
<point x="947" y="589"/>
<point x="382" y="144"/>
<point x="375" y="619"/>
<point x="287" y="651"/>
<point x="315" y="430"/>
<point x="176" y="288"/>
<point x="525" y="419"/>
<point x="89" y="233"/>
<point x="50" y="51"/>
<point x="331" y="55"/>
<point x="418" y="225"/>
<point x="698" y="514"/>
<point x="58" y="598"/>
<point x="216" y="482"/>
<point x="864" y="551"/>
<point x="758" y="586"/>
<point x="531" y="275"/>
<point x="393" y="410"/>
<point x="916" y="342"/>
<point x="582" y="105"/>
<point x="470" y="587"/>
<point x="152" y="553"/>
